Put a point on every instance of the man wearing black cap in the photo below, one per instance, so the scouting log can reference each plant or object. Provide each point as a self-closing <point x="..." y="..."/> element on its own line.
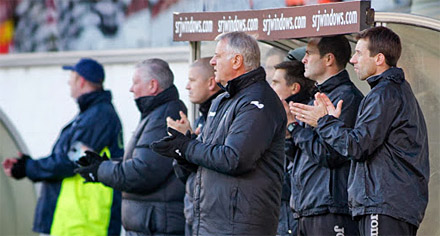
<point x="66" y="205"/>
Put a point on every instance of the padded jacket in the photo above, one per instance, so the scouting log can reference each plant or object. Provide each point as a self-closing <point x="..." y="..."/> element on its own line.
<point x="152" y="196"/>
<point x="187" y="175"/>
<point x="240" y="155"/>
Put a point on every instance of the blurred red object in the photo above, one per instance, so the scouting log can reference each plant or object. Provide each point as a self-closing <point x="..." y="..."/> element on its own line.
<point x="7" y="9"/>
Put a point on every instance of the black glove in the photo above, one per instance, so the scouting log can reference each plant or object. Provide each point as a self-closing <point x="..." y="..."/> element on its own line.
<point x="90" y="165"/>
<point x="173" y="146"/>
<point x="91" y="158"/>
<point x="18" y="170"/>
<point x="185" y="163"/>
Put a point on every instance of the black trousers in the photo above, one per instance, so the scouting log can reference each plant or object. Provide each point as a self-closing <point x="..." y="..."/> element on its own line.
<point x="328" y="224"/>
<point x="376" y="225"/>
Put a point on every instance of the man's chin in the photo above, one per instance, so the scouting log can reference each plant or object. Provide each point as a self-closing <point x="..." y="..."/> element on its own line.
<point x="361" y="77"/>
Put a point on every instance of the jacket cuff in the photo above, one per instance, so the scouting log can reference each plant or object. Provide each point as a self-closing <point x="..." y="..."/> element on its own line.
<point x="295" y="130"/>
<point x="324" y="120"/>
<point x="188" y="147"/>
<point x="30" y="169"/>
<point x="104" y="169"/>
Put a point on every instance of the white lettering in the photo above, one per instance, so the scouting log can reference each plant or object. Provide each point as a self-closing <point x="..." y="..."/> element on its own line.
<point x="327" y="19"/>
<point x="229" y="24"/>
<point x="192" y="26"/>
<point x="339" y="230"/>
<point x="374" y="225"/>
<point x="281" y="23"/>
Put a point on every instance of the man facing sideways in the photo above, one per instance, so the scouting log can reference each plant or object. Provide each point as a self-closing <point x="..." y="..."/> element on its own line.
<point x="290" y="85"/>
<point x="388" y="146"/>
<point x="66" y="206"/>
<point x="202" y="90"/>
<point x="152" y="196"/>
<point x="272" y="58"/>
<point x="319" y="179"/>
<point x="240" y="151"/>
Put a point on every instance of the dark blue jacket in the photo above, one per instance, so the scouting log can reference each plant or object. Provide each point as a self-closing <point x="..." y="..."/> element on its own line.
<point x="187" y="175"/>
<point x="319" y="175"/>
<point x="152" y="198"/>
<point x="388" y="147"/>
<point x="240" y="155"/>
<point x="287" y="224"/>
<point x="97" y="126"/>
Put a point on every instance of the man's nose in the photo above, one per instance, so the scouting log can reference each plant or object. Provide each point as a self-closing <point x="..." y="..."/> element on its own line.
<point x="352" y="60"/>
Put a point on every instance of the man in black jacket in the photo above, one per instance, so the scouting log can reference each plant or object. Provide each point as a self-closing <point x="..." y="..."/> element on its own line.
<point x="202" y="90"/>
<point x="240" y="152"/>
<point x="388" y="185"/>
<point x="152" y="198"/>
<point x="319" y="178"/>
<point x="290" y="85"/>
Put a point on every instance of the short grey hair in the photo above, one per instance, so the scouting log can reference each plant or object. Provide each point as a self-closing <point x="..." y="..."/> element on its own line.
<point x="244" y="44"/>
<point x="158" y="69"/>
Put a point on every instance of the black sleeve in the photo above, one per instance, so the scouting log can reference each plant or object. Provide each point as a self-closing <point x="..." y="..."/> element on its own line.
<point x="308" y="140"/>
<point x="371" y="129"/>
<point x="145" y="171"/>
<point x="249" y="135"/>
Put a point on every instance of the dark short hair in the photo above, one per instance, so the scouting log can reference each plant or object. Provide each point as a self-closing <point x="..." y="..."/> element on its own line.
<point x="295" y="74"/>
<point x="337" y="45"/>
<point x="382" y="40"/>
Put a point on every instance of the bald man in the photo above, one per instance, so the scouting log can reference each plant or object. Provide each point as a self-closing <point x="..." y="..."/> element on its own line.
<point x="202" y="90"/>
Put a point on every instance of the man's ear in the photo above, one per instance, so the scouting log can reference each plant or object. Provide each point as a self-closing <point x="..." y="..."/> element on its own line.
<point x="237" y="61"/>
<point x="212" y="85"/>
<point x="82" y="82"/>
<point x="153" y="86"/>
<point x="295" y="88"/>
<point x="329" y="59"/>
<point x="380" y="59"/>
